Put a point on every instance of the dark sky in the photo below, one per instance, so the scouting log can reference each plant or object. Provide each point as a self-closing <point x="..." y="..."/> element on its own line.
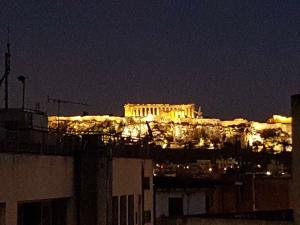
<point x="233" y="58"/>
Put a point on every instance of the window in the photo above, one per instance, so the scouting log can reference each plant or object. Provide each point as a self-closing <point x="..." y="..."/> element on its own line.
<point x="175" y="207"/>
<point x="123" y="210"/>
<point x="130" y="213"/>
<point x="50" y="212"/>
<point x="208" y="201"/>
<point x="58" y="211"/>
<point x="29" y="213"/>
<point x="146" y="183"/>
<point x="147" y="216"/>
<point x="139" y="214"/>
<point x="2" y="213"/>
<point x="115" y="210"/>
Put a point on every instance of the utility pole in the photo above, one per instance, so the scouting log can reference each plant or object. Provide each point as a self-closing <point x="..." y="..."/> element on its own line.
<point x="7" y="71"/>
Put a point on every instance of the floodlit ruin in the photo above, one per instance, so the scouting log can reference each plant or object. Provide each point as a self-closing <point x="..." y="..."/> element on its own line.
<point x="160" y="111"/>
<point x="180" y="126"/>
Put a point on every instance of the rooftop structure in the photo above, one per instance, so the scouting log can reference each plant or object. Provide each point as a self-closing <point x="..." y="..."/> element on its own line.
<point x="69" y="179"/>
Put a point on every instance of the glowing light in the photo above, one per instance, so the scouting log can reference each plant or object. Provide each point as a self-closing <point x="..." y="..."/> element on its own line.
<point x="166" y="111"/>
<point x="174" y="127"/>
<point x="210" y="169"/>
<point x="280" y="119"/>
<point x="165" y="145"/>
<point x="268" y="173"/>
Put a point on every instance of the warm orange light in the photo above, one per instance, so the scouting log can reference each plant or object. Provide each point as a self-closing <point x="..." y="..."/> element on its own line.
<point x="280" y="119"/>
<point x="173" y="126"/>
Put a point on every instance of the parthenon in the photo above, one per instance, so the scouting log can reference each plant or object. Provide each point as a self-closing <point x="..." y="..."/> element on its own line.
<point x="166" y="110"/>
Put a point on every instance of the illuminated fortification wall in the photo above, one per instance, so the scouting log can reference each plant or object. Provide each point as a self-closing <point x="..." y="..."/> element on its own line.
<point x="162" y="111"/>
<point x="179" y="132"/>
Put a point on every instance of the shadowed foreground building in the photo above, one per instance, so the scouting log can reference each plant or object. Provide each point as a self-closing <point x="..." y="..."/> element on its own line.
<point x="295" y="103"/>
<point x="78" y="181"/>
<point x="181" y="196"/>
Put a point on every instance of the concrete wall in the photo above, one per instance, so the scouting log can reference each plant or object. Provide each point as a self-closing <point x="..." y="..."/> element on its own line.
<point x="26" y="177"/>
<point x="193" y="203"/>
<point x="270" y="194"/>
<point x="127" y="180"/>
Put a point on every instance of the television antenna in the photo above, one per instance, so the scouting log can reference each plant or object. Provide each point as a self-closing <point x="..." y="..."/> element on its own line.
<point x="62" y="101"/>
<point x="7" y="71"/>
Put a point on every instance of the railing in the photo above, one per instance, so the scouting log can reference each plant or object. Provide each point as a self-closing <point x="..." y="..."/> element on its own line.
<point x="35" y="148"/>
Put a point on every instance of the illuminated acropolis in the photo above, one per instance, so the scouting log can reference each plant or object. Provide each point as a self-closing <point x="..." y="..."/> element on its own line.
<point x="166" y="111"/>
<point x="179" y="126"/>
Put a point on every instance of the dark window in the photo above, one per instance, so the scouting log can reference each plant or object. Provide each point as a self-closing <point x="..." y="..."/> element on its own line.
<point x="123" y="210"/>
<point x="175" y="207"/>
<point x="130" y="210"/>
<point x="29" y="213"/>
<point x="2" y="213"/>
<point x="147" y="216"/>
<point x="136" y="217"/>
<point x="115" y="210"/>
<point x="146" y="183"/>
<point x="59" y="211"/>
<point x="45" y="212"/>
<point x="208" y="201"/>
<point x="139" y="216"/>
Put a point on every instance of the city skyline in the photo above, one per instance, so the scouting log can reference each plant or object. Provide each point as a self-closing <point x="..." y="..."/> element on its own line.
<point x="234" y="59"/>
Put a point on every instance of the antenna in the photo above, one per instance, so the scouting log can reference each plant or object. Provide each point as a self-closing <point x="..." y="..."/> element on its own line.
<point x="61" y="101"/>
<point x="7" y="68"/>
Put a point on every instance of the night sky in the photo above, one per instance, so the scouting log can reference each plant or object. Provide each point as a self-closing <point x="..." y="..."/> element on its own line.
<point x="233" y="58"/>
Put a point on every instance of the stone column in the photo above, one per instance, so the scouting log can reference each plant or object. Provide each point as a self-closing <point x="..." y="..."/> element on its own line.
<point x="295" y="194"/>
